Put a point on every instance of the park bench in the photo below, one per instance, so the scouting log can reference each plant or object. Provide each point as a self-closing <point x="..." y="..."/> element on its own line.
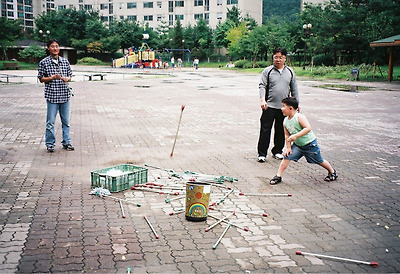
<point x="90" y="76"/>
<point x="10" y="65"/>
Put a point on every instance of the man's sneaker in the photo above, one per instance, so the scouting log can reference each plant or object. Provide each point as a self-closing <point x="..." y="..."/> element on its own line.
<point x="68" y="147"/>
<point x="278" y="156"/>
<point x="275" y="180"/>
<point x="50" y="148"/>
<point x="331" y="176"/>
<point x="261" y="159"/>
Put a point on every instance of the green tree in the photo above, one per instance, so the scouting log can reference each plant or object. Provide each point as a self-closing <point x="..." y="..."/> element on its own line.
<point x="32" y="53"/>
<point x="203" y="46"/>
<point x="130" y="33"/>
<point x="177" y="35"/>
<point x="10" y="30"/>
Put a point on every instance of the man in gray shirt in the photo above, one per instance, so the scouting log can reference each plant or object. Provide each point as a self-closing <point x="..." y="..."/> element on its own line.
<point x="277" y="82"/>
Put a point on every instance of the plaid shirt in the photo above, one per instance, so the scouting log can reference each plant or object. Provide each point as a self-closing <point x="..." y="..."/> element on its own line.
<point x="55" y="91"/>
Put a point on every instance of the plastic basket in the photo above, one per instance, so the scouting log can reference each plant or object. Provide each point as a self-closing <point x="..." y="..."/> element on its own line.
<point x="118" y="178"/>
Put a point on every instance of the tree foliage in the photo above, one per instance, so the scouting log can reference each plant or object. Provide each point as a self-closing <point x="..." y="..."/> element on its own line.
<point x="32" y="52"/>
<point x="10" y="30"/>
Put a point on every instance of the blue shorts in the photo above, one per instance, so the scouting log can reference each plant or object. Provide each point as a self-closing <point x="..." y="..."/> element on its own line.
<point x="311" y="151"/>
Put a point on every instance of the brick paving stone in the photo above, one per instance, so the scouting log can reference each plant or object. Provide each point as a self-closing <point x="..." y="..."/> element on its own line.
<point x="49" y="222"/>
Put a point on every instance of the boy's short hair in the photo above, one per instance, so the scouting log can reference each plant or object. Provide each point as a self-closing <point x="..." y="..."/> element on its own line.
<point x="291" y="102"/>
<point x="281" y="50"/>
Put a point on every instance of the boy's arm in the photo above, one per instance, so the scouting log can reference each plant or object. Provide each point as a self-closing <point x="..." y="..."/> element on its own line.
<point x="304" y="124"/>
<point x="287" y="142"/>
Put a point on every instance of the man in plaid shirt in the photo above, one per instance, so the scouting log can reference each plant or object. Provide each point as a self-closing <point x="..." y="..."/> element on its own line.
<point x="55" y="72"/>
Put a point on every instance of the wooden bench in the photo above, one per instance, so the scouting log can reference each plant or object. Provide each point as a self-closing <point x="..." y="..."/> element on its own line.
<point x="10" y="65"/>
<point x="90" y="76"/>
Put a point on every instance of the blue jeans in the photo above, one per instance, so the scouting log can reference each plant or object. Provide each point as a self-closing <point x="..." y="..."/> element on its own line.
<point x="311" y="151"/>
<point x="52" y="109"/>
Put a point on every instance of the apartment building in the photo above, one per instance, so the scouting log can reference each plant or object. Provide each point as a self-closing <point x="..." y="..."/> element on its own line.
<point x="142" y="11"/>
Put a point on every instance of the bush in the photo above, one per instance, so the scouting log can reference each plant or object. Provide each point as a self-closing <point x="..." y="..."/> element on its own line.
<point x="262" y="64"/>
<point x="89" y="61"/>
<point x="32" y="53"/>
<point x="243" y="64"/>
<point x="323" y="59"/>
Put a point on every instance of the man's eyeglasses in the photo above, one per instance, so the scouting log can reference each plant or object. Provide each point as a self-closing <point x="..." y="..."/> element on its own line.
<point x="279" y="57"/>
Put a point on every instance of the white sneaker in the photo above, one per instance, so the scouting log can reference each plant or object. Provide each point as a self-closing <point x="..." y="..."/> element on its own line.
<point x="261" y="159"/>
<point x="278" y="156"/>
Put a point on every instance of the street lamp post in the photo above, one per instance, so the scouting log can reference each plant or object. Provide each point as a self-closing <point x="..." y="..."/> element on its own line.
<point x="44" y="35"/>
<point x="307" y="34"/>
<point x="183" y="52"/>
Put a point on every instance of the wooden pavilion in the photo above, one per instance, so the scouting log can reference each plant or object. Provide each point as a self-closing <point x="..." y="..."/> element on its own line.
<point x="391" y="42"/>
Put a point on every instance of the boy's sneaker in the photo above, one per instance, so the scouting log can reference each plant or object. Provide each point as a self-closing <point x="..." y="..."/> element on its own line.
<point x="275" y="180"/>
<point x="261" y="159"/>
<point x="331" y="176"/>
<point x="278" y="156"/>
<point x="50" y="149"/>
<point x="68" y="147"/>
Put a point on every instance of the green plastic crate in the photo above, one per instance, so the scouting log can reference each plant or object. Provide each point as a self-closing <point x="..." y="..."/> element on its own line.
<point x="118" y="178"/>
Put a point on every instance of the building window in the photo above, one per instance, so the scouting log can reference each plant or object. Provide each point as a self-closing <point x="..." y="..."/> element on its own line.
<point x="20" y="15"/>
<point x="28" y="2"/>
<point x="231" y="2"/>
<point x="29" y="23"/>
<point x="159" y="4"/>
<point x="179" y="16"/>
<point x="147" y="5"/>
<point x="148" y="18"/>
<point x="198" y="3"/>
<point x="131" y="17"/>
<point x="198" y="16"/>
<point x="10" y="6"/>
<point x="219" y="15"/>
<point x="10" y="13"/>
<point x="104" y="18"/>
<point x="170" y="6"/>
<point x="219" y="2"/>
<point x="28" y="9"/>
<point x="179" y="3"/>
<point x="170" y="20"/>
<point x="131" y="5"/>
<point x="121" y="6"/>
<point x="103" y="6"/>
<point x="121" y="17"/>
<point x="159" y="17"/>
<point x="61" y="7"/>
<point x="28" y="16"/>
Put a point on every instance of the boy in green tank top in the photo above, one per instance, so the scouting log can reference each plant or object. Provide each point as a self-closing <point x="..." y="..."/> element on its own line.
<point x="300" y="141"/>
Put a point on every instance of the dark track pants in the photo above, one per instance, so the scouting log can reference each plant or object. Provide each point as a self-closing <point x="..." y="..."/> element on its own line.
<point x="267" y="120"/>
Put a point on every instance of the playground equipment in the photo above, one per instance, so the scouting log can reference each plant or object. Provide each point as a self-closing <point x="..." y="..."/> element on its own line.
<point x="144" y="57"/>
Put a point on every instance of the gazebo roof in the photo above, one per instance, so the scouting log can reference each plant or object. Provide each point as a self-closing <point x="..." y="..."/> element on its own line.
<point x="393" y="41"/>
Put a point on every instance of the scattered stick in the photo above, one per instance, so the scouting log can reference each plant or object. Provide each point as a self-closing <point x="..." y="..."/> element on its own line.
<point x="122" y="209"/>
<point x="177" y="130"/>
<point x="373" y="264"/>
<point x="152" y="228"/>
<point x="219" y="221"/>
<point x="222" y="235"/>
<point x="176" y="212"/>
<point x="156" y="167"/>
<point x="173" y="199"/>
<point x="226" y="195"/>
<point x="265" y="194"/>
<point x="235" y="225"/>
<point x="244" y="212"/>
<point x="102" y="192"/>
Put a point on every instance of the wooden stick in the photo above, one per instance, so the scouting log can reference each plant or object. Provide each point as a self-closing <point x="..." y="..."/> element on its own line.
<point x="152" y="228"/>
<point x="219" y="221"/>
<point x="222" y="235"/>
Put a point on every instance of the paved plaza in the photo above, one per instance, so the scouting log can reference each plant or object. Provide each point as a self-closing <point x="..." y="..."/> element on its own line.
<point x="50" y="223"/>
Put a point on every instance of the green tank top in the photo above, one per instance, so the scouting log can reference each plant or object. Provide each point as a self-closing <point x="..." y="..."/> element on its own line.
<point x="293" y="126"/>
